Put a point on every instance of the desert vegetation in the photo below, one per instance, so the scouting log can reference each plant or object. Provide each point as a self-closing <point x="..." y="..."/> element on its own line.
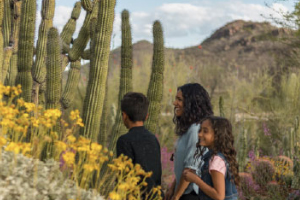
<point x="59" y="119"/>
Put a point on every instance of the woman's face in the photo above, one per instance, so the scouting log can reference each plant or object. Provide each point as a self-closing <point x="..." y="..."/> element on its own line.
<point x="178" y="104"/>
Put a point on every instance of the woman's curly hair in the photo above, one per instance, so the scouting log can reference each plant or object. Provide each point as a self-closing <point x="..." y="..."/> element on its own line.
<point x="196" y="106"/>
<point x="223" y="143"/>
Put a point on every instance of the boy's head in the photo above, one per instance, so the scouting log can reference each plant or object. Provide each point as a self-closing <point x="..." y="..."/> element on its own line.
<point x="135" y="105"/>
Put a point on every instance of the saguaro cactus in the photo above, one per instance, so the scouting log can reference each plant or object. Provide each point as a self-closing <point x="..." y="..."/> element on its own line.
<point x="39" y="67"/>
<point x="54" y="72"/>
<point x="155" y="89"/>
<point x="1" y="36"/>
<point x="26" y="45"/>
<point x="125" y="79"/>
<point x="93" y="103"/>
<point x="10" y="78"/>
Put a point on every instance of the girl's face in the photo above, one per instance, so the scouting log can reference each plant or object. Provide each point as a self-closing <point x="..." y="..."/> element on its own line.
<point x="206" y="134"/>
<point x="178" y="104"/>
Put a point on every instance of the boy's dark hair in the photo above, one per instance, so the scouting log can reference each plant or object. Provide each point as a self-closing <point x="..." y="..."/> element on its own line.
<point x="135" y="105"/>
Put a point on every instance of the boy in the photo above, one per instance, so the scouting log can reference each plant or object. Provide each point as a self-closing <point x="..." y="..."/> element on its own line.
<point x="139" y="144"/>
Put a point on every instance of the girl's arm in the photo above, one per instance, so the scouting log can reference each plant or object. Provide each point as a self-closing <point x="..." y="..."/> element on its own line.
<point x="183" y="184"/>
<point x="170" y="191"/>
<point x="217" y="192"/>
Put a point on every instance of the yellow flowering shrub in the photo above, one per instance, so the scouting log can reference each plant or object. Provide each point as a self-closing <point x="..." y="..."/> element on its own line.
<point x="80" y="159"/>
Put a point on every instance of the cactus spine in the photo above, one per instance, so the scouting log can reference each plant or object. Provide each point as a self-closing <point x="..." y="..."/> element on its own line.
<point x="126" y="77"/>
<point x="26" y="45"/>
<point x="71" y="85"/>
<point x="155" y="89"/>
<point x="93" y="103"/>
<point x="54" y="72"/>
<point x="39" y="67"/>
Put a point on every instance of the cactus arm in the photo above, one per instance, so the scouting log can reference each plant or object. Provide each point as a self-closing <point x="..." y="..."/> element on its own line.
<point x="69" y="28"/>
<point x="155" y="89"/>
<point x="39" y="68"/>
<point x="93" y="103"/>
<point x="25" y="50"/>
<point x="126" y="77"/>
<point x="71" y="85"/>
<point x="87" y="5"/>
<point x="84" y="34"/>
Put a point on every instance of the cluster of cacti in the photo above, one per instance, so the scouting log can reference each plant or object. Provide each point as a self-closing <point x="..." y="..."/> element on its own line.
<point x="263" y="172"/>
<point x="125" y="77"/>
<point x="39" y="69"/>
<point x="155" y="89"/>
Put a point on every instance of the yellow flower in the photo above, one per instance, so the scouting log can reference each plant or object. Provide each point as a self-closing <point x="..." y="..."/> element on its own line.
<point x="114" y="196"/>
<point x="71" y="138"/>
<point x="69" y="158"/>
<point x="3" y="141"/>
<point x="14" y="147"/>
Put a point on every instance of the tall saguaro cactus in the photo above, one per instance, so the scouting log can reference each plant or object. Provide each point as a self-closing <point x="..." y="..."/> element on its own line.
<point x="10" y="78"/>
<point x="126" y="77"/>
<point x="155" y="89"/>
<point x="54" y="72"/>
<point x="93" y="103"/>
<point x="1" y="37"/>
<point x="39" y="67"/>
<point x="26" y="46"/>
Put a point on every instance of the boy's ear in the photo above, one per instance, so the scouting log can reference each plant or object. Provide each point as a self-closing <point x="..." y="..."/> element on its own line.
<point x="147" y="116"/>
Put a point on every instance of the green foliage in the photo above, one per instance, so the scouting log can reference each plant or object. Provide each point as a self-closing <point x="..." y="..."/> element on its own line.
<point x="263" y="172"/>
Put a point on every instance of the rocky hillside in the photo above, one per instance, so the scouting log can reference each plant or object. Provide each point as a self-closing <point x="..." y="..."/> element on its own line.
<point x="237" y="44"/>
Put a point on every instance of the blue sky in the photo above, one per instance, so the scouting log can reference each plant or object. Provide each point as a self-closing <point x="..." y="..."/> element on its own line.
<point x="185" y="22"/>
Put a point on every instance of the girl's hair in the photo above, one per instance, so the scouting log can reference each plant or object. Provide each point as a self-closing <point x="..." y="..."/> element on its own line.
<point x="196" y="106"/>
<point x="223" y="143"/>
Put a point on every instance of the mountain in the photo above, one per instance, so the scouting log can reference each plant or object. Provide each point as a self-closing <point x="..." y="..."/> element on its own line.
<point x="237" y="44"/>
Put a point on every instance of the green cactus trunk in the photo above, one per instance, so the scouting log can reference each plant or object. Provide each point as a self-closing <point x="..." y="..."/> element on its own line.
<point x="69" y="28"/>
<point x="84" y="34"/>
<point x="155" y="89"/>
<point x="93" y="103"/>
<point x="221" y="107"/>
<point x="1" y="39"/>
<point x="54" y="72"/>
<point x="126" y="78"/>
<point x="26" y="46"/>
<point x="71" y="85"/>
<point x="102" y="136"/>
<point x="39" y="67"/>
<point x="13" y="70"/>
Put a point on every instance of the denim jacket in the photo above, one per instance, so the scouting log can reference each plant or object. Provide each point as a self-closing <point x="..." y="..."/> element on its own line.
<point x="230" y="189"/>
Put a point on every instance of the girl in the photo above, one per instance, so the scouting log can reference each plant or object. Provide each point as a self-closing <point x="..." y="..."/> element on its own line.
<point x="191" y="105"/>
<point x="219" y="170"/>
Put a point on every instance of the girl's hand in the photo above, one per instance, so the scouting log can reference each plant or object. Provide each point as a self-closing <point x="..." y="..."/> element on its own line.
<point x="189" y="175"/>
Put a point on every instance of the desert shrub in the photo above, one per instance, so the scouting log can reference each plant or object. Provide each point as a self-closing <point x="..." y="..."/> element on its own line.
<point x="248" y="188"/>
<point x="263" y="172"/>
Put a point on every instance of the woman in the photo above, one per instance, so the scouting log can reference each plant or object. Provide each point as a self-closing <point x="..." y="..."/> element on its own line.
<point x="191" y="105"/>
